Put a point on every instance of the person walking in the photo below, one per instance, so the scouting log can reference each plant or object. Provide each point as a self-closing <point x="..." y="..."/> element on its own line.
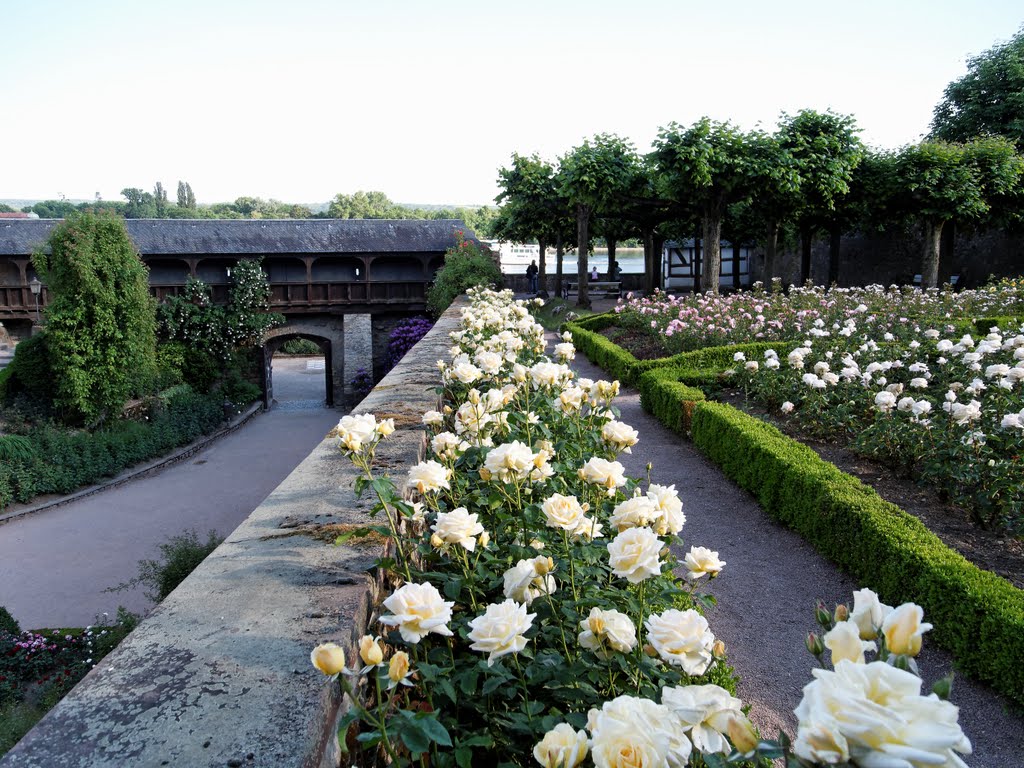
<point x="531" y="275"/>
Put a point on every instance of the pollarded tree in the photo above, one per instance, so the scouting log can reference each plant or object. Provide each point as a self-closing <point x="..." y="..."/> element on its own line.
<point x="529" y="202"/>
<point x="988" y="100"/>
<point x="774" y="193"/>
<point x="827" y="150"/>
<point x="940" y="182"/>
<point x="595" y="178"/>
<point x="711" y="165"/>
<point x="100" y="322"/>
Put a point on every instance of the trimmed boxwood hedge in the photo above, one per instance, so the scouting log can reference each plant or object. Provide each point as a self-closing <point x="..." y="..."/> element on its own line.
<point x="977" y="615"/>
<point x="62" y="461"/>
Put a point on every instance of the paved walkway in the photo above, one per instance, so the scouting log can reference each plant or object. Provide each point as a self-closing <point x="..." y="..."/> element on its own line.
<point x="56" y="564"/>
<point x="769" y="587"/>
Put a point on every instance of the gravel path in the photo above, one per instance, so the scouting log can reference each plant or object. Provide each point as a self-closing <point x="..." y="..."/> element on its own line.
<point x="769" y="587"/>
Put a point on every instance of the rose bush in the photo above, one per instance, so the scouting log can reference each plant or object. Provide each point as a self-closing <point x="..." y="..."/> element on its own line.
<point x="519" y="625"/>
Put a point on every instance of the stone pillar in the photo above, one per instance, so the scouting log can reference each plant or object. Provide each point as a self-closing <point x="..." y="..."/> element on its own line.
<point x="358" y="354"/>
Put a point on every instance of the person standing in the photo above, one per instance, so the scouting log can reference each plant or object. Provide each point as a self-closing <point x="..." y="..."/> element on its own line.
<point x="593" y="273"/>
<point x="531" y="275"/>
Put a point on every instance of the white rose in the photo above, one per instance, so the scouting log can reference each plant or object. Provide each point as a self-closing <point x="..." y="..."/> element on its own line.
<point x="418" y="610"/>
<point x="562" y="512"/>
<point x="565" y="352"/>
<point x="700" y="562"/>
<point x="446" y="445"/>
<point x="705" y="711"/>
<point x="635" y="554"/>
<point x="635" y="512"/>
<point x="428" y="477"/>
<point x="682" y="638"/>
<point x="885" y="400"/>
<point x="433" y="419"/>
<point x="787" y="407"/>
<point x="868" y="613"/>
<point x="608" y="474"/>
<point x="500" y="630"/>
<point x="562" y="747"/>
<point x="630" y="732"/>
<point x="489" y="362"/>
<point x="529" y="579"/>
<point x="589" y="529"/>
<point x="603" y="630"/>
<point x="458" y="527"/>
<point x="619" y="436"/>
<point x="570" y="399"/>
<point x="467" y="373"/>
<point x="510" y="461"/>
<point x="845" y="643"/>
<point x="670" y="509"/>
<point x="874" y="714"/>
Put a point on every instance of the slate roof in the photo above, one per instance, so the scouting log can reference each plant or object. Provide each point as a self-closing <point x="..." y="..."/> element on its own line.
<point x="186" y="237"/>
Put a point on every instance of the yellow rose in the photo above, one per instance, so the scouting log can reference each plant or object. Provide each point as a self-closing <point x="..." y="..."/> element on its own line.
<point x="329" y="658"/>
<point x="903" y="629"/>
<point x="370" y="651"/>
<point x="399" y="667"/>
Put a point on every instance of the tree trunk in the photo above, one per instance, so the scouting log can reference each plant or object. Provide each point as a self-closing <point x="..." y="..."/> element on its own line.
<point x="946" y="252"/>
<point x="771" y="245"/>
<point x="712" y="267"/>
<point x="542" y="274"/>
<point x="559" y="253"/>
<point x="932" y="246"/>
<point x="611" y="257"/>
<point x="835" y="237"/>
<point x="658" y="249"/>
<point x="806" y="233"/>
<point x="736" y="266"/>
<point x="698" y="265"/>
<point x="582" y="249"/>
<point x="649" y="261"/>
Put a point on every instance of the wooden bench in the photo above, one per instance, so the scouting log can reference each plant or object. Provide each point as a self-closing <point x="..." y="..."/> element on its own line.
<point x="606" y="288"/>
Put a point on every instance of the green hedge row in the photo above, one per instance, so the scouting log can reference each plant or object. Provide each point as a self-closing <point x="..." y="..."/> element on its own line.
<point x="982" y="324"/>
<point x="977" y="615"/>
<point x="605" y="353"/>
<point x="62" y="461"/>
<point x="670" y="393"/>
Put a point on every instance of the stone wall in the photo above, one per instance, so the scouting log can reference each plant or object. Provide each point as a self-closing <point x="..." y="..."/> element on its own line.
<point x="219" y="673"/>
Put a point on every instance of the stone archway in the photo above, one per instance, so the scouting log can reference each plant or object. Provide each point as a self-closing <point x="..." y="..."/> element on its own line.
<point x="270" y="348"/>
<point x="327" y="332"/>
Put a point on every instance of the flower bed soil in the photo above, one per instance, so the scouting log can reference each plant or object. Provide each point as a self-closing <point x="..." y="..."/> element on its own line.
<point x="642" y="345"/>
<point x="991" y="550"/>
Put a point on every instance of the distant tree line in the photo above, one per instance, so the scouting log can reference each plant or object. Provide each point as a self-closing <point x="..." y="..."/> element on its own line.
<point x="141" y="204"/>
<point x="811" y="177"/>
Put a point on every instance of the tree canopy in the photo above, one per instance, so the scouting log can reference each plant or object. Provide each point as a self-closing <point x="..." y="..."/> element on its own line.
<point x="988" y="100"/>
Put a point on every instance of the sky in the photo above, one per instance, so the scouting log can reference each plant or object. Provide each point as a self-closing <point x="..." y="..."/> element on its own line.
<point x="302" y="100"/>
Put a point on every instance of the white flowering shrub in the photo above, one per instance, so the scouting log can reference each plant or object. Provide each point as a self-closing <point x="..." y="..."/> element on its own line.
<point x="535" y="581"/>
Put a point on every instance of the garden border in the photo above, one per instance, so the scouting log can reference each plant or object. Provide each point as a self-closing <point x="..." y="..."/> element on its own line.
<point x="978" y="616"/>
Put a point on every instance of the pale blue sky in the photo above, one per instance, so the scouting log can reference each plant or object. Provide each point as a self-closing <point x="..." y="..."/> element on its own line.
<point x="425" y="100"/>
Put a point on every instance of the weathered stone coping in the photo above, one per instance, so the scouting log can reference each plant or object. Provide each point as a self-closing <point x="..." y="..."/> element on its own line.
<point x="219" y="673"/>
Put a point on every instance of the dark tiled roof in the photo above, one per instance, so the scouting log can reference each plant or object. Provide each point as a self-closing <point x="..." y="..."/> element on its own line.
<point x="257" y="236"/>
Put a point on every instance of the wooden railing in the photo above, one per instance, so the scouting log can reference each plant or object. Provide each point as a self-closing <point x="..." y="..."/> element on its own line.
<point x="17" y="302"/>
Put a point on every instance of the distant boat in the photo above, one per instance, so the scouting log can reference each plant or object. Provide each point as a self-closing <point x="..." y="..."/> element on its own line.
<point x="514" y="254"/>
